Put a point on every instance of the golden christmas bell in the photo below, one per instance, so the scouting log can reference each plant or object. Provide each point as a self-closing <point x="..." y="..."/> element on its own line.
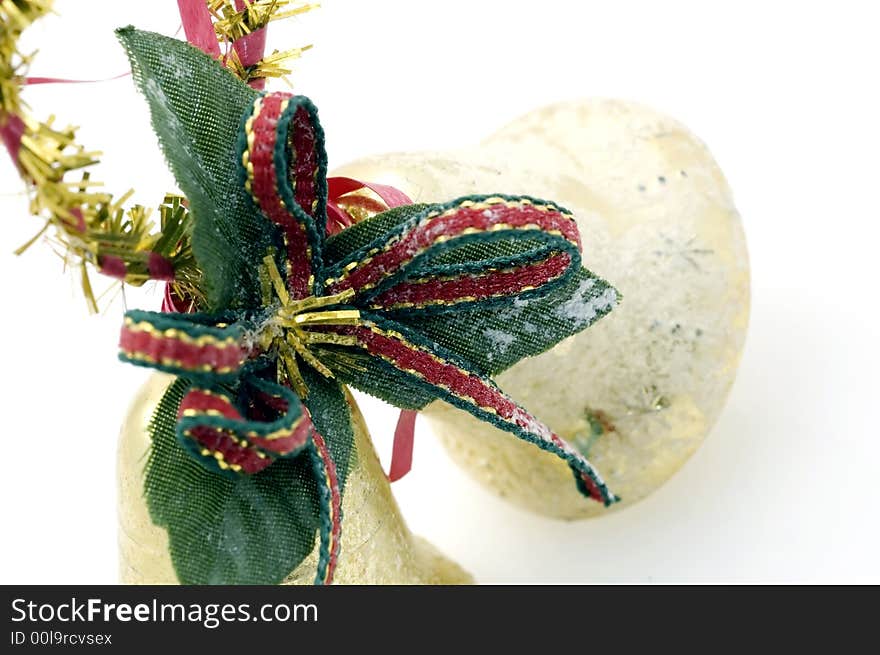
<point x="377" y="547"/>
<point x="638" y="392"/>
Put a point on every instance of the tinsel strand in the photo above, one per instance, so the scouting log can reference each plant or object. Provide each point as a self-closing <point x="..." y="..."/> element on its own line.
<point x="94" y="228"/>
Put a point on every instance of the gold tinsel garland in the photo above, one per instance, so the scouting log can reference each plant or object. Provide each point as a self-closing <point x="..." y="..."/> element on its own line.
<point x="94" y="228"/>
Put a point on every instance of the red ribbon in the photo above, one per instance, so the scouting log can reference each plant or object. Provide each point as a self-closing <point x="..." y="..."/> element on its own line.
<point x="250" y="48"/>
<point x="11" y="132"/>
<point x="402" y="450"/>
<point x="31" y="81"/>
<point x="12" y="128"/>
<point x="198" y="27"/>
<point x="199" y="30"/>
<point x="337" y="187"/>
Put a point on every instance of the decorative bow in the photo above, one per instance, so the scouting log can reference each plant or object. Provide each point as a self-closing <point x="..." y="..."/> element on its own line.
<point x="384" y="306"/>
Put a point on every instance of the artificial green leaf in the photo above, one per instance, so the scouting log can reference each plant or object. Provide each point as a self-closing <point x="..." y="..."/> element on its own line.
<point x="344" y="243"/>
<point x="492" y="336"/>
<point x="374" y="376"/>
<point x="496" y="337"/>
<point x="197" y="107"/>
<point x="490" y="340"/>
<point x="331" y="416"/>
<point x="251" y="530"/>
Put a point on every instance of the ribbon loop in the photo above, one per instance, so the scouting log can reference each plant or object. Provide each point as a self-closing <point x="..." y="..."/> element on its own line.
<point x="198" y="346"/>
<point x="284" y="166"/>
<point x="230" y="441"/>
<point x="471" y="250"/>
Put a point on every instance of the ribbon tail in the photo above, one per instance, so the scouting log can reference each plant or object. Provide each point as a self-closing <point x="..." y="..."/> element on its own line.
<point x="330" y="510"/>
<point x="402" y="452"/>
<point x="31" y="81"/>
<point x="402" y="352"/>
<point x="333" y="447"/>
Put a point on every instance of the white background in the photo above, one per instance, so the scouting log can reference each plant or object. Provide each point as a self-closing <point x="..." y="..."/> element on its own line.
<point x="784" y="93"/>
